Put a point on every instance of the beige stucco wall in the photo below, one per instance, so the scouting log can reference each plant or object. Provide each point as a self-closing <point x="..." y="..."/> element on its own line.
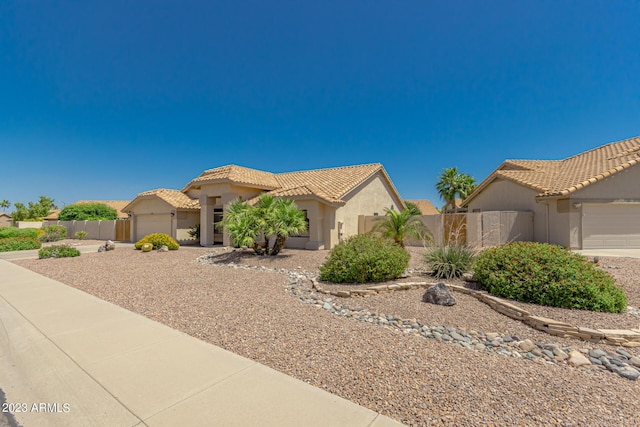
<point x="369" y="198"/>
<point x="185" y="220"/>
<point x="619" y="187"/>
<point x="503" y="195"/>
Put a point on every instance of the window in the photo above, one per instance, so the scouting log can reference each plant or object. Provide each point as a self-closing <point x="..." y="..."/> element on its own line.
<point x="306" y="233"/>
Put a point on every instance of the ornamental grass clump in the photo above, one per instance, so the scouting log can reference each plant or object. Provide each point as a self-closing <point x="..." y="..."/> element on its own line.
<point x="364" y="258"/>
<point x="549" y="275"/>
<point x="58" y="251"/>
<point x="158" y="240"/>
<point x="450" y="261"/>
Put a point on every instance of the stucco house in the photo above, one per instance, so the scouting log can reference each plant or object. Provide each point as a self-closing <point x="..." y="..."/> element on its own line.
<point x="5" y="220"/>
<point x="587" y="201"/>
<point x="331" y="198"/>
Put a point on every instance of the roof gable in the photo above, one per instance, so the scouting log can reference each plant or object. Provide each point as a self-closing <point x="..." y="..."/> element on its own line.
<point x="236" y="174"/>
<point x="553" y="178"/>
<point x="174" y="198"/>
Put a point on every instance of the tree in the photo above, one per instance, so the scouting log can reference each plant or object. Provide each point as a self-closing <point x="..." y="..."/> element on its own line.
<point x="452" y="184"/>
<point x="399" y="226"/>
<point x="271" y="220"/>
<point x="88" y="212"/>
<point x="34" y="211"/>
<point x="5" y="205"/>
<point x="414" y="208"/>
<point x="20" y="213"/>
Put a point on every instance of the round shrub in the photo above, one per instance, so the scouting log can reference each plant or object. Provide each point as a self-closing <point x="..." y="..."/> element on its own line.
<point x="19" y="244"/>
<point x="58" y="251"/>
<point x="364" y="258"/>
<point x="546" y="274"/>
<point x="147" y="247"/>
<point x="450" y="261"/>
<point x="157" y="240"/>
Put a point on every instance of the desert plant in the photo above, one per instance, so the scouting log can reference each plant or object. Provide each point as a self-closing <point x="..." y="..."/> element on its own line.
<point x="364" y="258"/>
<point x="10" y="244"/>
<point x="58" y="251"/>
<point x="157" y="240"/>
<point x="87" y="212"/>
<point x="52" y="233"/>
<point x="18" y="232"/>
<point x="147" y="247"/>
<point x="81" y="235"/>
<point x="450" y="261"/>
<point x="399" y="226"/>
<point x="547" y="274"/>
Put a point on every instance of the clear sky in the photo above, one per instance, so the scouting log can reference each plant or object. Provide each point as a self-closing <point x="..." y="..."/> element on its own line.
<point x="103" y="100"/>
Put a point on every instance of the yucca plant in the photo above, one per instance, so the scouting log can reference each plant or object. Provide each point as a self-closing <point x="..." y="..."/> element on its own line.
<point x="450" y="261"/>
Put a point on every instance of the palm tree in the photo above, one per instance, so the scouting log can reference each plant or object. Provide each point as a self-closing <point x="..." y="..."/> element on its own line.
<point x="270" y="219"/>
<point x="399" y="226"/>
<point x="452" y="184"/>
<point x="5" y="205"/>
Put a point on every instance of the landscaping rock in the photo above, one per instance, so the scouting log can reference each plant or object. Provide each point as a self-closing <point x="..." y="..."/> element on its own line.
<point x="108" y="246"/>
<point x="163" y="248"/>
<point x="578" y="359"/>
<point x="526" y="345"/>
<point x="440" y="295"/>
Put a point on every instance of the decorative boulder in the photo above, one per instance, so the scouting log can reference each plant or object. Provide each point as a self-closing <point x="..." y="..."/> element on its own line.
<point x="108" y="246"/>
<point x="163" y="248"/>
<point x="439" y="294"/>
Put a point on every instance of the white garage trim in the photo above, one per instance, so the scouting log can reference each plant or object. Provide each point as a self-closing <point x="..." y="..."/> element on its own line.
<point x="610" y="225"/>
<point x="149" y="224"/>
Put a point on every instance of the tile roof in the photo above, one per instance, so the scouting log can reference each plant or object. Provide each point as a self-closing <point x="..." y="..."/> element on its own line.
<point x="330" y="184"/>
<point x="553" y="178"/>
<point x="237" y="174"/>
<point x="174" y="198"/>
<point x="425" y="206"/>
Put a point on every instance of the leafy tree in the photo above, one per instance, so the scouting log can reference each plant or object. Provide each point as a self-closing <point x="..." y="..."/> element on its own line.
<point x="5" y="205"/>
<point x="20" y="213"/>
<point x="399" y="226"/>
<point x="88" y="212"/>
<point x="270" y="220"/>
<point x="452" y="184"/>
<point x="413" y="208"/>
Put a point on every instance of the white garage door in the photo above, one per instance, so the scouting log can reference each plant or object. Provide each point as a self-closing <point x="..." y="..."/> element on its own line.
<point x="149" y="224"/>
<point x="610" y="226"/>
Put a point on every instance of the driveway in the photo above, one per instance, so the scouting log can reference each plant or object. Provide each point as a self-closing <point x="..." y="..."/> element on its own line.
<point x="627" y="253"/>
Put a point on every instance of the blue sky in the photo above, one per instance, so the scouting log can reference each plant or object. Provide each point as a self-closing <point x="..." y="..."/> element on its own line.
<point x="103" y="100"/>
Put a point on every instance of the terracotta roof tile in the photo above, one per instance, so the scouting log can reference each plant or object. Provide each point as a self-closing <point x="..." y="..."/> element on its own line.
<point x="425" y="206"/>
<point x="175" y="198"/>
<point x="552" y="178"/>
<point x="237" y="174"/>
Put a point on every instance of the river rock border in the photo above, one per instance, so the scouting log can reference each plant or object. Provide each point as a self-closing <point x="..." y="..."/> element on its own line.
<point x="619" y="362"/>
<point x="623" y="337"/>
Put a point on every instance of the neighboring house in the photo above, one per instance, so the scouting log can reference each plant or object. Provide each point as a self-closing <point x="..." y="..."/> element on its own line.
<point x="331" y="198"/>
<point x="425" y="206"/>
<point x="5" y="220"/>
<point x="587" y="201"/>
<point x="118" y="205"/>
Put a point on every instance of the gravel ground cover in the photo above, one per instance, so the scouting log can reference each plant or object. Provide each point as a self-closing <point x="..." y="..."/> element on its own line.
<point x="409" y="378"/>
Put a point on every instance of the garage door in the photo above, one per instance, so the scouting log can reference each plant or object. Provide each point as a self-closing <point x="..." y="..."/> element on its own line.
<point x="148" y="224"/>
<point x="610" y="226"/>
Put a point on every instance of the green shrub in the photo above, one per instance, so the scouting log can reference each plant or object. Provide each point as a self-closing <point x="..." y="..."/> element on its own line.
<point x="364" y="258"/>
<point x="87" y="212"/>
<point x="147" y="247"/>
<point x="450" y="261"/>
<point x="547" y="275"/>
<point x="194" y="231"/>
<point x="19" y="244"/>
<point x="58" y="251"/>
<point x="53" y="233"/>
<point x="18" y="232"/>
<point x="81" y="235"/>
<point x="157" y="240"/>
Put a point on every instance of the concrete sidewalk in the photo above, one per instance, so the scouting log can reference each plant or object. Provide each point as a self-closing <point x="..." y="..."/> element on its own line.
<point x="70" y="359"/>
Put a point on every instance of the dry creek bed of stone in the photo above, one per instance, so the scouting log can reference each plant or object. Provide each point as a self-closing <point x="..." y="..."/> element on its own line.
<point x="418" y="363"/>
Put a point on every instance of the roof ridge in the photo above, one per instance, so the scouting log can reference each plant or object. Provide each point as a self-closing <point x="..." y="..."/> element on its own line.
<point x="601" y="147"/>
<point x="331" y="168"/>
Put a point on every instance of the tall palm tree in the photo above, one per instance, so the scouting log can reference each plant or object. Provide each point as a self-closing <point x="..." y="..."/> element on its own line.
<point x="5" y="205"/>
<point x="400" y="226"/>
<point x="452" y="184"/>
